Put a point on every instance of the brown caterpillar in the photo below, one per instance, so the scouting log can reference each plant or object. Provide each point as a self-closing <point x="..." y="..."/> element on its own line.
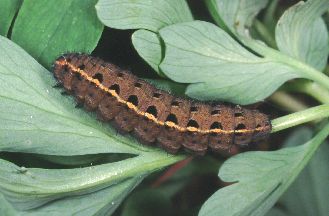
<point x="155" y="116"/>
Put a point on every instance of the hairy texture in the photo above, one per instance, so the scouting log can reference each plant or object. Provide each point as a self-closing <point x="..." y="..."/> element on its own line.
<point x="155" y="116"/>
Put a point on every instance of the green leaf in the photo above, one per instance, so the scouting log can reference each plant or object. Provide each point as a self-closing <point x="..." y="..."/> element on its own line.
<point x="237" y="16"/>
<point x="5" y="207"/>
<point x="309" y="194"/>
<point x="102" y="202"/>
<point x="30" y="188"/>
<point x="262" y="177"/>
<point x="36" y="118"/>
<point x="302" y="33"/>
<point x="135" y="14"/>
<point x="46" y="29"/>
<point x="8" y="9"/>
<point x="148" y="46"/>
<point x="217" y="66"/>
<point x="151" y="15"/>
<point x="305" y="70"/>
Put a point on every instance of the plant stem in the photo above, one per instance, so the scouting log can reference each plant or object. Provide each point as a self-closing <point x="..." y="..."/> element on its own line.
<point x="265" y="33"/>
<point x="287" y="102"/>
<point x="326" y="70"/>
<point x="308" y="87"/>
<point x="269" y="18"/>
<point x="301" y="117"/>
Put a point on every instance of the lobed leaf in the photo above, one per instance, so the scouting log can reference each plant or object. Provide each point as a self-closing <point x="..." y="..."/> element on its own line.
<point x="309" y="194"/>
<point x="226" y="19"/>
<point x="102" y="202"/>
<point x="261" y="178"/>
<point x="36" y="118"/>
<point x="237" y="16"/>
<point x="28" y="189"/>
<point x="148" y="46"/>
<point x="8" y="9"/>
<point x="304" y="38"/>
<point x="47" y="29"/>
<point x="217" y="66"/>
<point x="139" y="14"/>
<point x="151" y="15"/>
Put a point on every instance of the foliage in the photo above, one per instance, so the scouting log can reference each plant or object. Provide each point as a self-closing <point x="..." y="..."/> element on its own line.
<point x="242" y="58"/>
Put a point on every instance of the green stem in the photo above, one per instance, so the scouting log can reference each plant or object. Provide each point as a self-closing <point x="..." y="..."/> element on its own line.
<point x="265" y="33"/>
<point x="287" y="102"/>
<point x="269" y="18"/>
<point x="308" y="87"/>
<point x="326" y="70"/>
<point x="301" y="117"/>
<point x="304" y="70"/>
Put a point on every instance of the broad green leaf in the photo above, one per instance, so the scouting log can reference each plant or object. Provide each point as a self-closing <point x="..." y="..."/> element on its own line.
<point x="217" y="66"/>
<point x="102" y="202"/>
<point x="8" y="8"/>
<point x="261" y="178"/>
<point x="151" y="15"/>
<point x="36" y="118"/>
<point x="140" y="14"/>
<point x="46" y="29"/>
<point x="309" y="194"/>
<point x="236" y="15"/>
<point x="5" y="207"/>
<point x="30" y="188"/>
<point x="148" y="46"/>
<point x="302" y="33"/>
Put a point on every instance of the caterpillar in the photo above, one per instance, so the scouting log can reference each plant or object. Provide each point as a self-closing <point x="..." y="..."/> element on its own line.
<point x="154" y="116"/>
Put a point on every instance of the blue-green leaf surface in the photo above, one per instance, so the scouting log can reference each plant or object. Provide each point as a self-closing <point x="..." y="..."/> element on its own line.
<point x="261" y="178"/>
<point x="27" y="189"/>
<point x="302" y="33"/>
<point x="237" y="15"/>
<point x="151" y="15"/>
<point x="148" y="46"/>
<point x="217" y="66"/>
<point x="309" y="194"/>
<point x="140" y="14"/>
<point x="36" y="118"/>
